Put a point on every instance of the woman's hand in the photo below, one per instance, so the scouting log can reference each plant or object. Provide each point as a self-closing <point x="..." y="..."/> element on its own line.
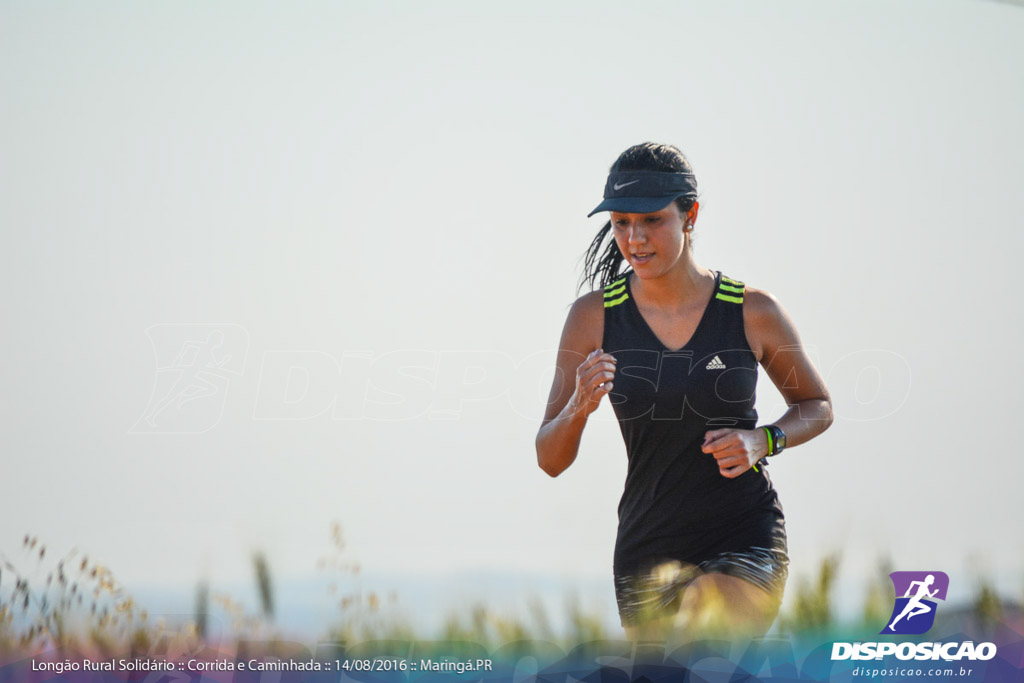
<point x="593" y="381"/>
<point x="736" y="450"/>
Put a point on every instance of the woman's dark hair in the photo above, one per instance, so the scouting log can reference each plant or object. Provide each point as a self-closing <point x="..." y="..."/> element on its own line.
<point x="603" y="261"/>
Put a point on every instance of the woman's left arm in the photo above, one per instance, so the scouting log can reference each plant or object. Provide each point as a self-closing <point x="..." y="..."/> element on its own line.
<point x="775" y="342"/>
<point x="773" y="338"/>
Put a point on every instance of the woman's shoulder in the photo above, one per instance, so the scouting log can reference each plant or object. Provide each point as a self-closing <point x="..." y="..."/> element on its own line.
<point x="592" y="304"/>
<point x="589" y="303"/>
<point x="759" y="303"/>
<point x="587" y="311"/>
<point x="756" y="302"/>
<point x="764" y="318"/>
<point x="584" y="326"/>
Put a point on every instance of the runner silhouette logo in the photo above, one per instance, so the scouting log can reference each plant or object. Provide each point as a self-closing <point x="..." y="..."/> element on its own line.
<point x="916" y="593"/>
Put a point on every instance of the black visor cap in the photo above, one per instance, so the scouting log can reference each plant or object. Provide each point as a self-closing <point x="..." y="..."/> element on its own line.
<point x="644" y="191"/>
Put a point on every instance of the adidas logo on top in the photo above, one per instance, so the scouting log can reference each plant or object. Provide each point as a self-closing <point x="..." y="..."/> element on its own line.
<point x="716" y="364"/>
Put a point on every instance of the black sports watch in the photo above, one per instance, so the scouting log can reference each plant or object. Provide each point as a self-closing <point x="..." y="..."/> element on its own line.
<point x="776" y="439"/>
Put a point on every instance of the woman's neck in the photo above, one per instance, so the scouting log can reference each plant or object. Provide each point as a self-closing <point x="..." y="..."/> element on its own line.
<point x="677" y="288"/>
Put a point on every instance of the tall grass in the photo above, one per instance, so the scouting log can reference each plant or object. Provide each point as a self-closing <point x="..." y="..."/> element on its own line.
<point x="74" y="605"/>
<point x="79" y="605"/>
<point x="812" y="609"/>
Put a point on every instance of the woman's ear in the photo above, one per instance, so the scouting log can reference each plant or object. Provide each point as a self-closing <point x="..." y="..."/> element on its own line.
<point x="691" y="215"/>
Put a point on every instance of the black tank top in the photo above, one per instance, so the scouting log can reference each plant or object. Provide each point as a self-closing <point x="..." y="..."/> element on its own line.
<point x="676" y="504"/>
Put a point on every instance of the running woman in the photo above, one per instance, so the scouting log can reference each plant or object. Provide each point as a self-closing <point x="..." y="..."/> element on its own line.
<point x="701" y="543"/>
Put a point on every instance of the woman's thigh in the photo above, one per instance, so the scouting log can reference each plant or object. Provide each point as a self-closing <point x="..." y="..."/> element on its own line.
<point x="723" y="605"/>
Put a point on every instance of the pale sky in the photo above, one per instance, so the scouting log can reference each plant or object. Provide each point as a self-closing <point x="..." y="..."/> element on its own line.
<point x="381" y="208"/>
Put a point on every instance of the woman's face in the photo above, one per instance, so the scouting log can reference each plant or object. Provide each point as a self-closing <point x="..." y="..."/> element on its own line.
<point x="652" y="243"/>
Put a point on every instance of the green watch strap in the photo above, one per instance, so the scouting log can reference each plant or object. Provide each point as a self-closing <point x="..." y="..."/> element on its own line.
<point x="771" y="441"/>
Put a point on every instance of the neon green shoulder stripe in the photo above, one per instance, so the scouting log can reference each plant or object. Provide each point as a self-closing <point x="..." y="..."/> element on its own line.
<point x="615" y="302"/>
<point x="611" y="294"/>
<point x="615" y="284"/>
<point x="727" y="287"/>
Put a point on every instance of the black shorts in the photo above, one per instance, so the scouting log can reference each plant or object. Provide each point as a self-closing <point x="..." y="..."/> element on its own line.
<point x="648" y="595"/>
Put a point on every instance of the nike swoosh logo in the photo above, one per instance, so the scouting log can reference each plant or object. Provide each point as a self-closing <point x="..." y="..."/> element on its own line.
<point x="618" y="186"/>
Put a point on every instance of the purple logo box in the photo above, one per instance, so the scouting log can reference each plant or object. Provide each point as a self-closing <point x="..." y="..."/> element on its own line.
<point x="902" y="580"/>
<point x="914" y="608"/>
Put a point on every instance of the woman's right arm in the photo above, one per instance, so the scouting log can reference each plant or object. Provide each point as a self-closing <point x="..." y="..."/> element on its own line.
<point x="570" y="403"/>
